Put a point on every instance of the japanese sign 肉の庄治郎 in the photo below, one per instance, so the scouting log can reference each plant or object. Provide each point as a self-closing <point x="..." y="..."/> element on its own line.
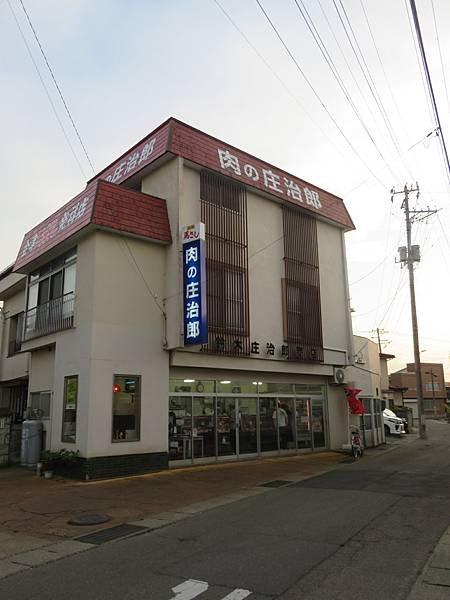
<point x="194" y="285"/>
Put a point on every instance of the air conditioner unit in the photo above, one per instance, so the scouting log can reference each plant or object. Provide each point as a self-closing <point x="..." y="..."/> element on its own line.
<point x="339" y="376"/>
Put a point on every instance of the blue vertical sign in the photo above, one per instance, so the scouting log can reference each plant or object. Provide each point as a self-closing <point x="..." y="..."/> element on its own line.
<point x="194" y="285"/>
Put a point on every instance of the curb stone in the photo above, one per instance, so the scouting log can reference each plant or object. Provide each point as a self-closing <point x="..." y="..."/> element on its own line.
<point x="434" y="581"/>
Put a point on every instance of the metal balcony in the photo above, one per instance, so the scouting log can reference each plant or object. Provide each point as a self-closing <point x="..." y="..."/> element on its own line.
<point x="55" y="315"/>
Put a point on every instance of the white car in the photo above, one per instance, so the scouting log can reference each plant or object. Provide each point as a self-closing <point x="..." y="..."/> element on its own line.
<point x="393" y="425"/>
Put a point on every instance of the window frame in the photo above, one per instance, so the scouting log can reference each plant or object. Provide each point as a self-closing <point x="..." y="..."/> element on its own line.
<point x="43" y="417"/>
<point x="138" y="379"/>
<point x="64" y="438"/>
<point x="16" y="322"/>
<point x="47" y="272"/>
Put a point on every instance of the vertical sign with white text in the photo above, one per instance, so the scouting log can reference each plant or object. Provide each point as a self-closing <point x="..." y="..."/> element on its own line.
<point x="194" y="285"/>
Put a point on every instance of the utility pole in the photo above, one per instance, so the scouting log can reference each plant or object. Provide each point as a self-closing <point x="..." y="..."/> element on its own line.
<point x="410" y="255"/>
<point x="380" y="341"/>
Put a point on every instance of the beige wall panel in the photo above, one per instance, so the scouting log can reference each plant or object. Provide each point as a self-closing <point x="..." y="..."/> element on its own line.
<point x="127" y="338"/>
<point x="333" y="284"/>
<point x="167" y="182"/>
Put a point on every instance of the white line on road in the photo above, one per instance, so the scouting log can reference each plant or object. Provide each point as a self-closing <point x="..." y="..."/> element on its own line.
<point x="189" y="589"/>
<point x="192" y="588"/>
<point x="237" y="594"/>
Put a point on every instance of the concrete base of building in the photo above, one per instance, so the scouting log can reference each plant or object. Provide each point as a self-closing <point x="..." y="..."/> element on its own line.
<point x="107" y="467"/>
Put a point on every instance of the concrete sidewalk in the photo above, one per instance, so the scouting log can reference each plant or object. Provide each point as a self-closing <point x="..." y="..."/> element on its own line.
<point x="434" y="581"/>
<point x="34" y="512"/>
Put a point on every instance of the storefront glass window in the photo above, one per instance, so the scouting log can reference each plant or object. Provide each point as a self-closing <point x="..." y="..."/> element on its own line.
<point x="69" y="425"/>
<point x="240" y="418"/>
<point x="126" y="408"/>
<point x="198" y="386"/>
<point x="367" y="402"/>
<point x="303" y="423"/>
<point x="314" y="390"/>
<point x="284" y="417"/>
<point x="180" y="427"/>
<point x="268" y="423"/>
<point x="276" y="388"/>
<point x="248" y="442"/>
<point x="227" y="419"/>
<point x="318" y="424"/>
<point x="204" y="430"/>
<point x="228" y="386"/>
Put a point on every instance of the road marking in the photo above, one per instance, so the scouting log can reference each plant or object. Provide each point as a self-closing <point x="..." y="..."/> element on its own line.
<point x="237" y="594"/>
<point x="189" y="589"/>
<point x="192" y="588"/>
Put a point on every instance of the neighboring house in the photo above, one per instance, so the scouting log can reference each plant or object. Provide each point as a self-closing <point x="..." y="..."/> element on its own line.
<point x="366" y="374"/>
<point x="13" y="363"/>
<point x="114" y="311"/>
<point x="389" y="396"/>
<point x="433" y="384"/>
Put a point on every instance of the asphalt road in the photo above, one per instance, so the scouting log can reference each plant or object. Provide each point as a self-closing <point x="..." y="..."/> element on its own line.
<point x="362" y="531"/>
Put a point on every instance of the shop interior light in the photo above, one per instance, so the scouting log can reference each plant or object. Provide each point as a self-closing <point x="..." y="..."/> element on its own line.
<point x="188" y="380"/>
<point x="225" y="382"/>
<point x="116" y="388"/>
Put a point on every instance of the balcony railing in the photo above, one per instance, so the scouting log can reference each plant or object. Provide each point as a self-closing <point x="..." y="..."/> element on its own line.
<point x="55" y="315"/>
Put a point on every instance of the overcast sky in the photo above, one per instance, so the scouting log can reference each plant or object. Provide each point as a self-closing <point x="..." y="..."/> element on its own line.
<point x="124" y="67"/>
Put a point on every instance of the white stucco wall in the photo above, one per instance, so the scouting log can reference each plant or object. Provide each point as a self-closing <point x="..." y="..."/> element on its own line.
<point x="11" y="367"/>
<point x="127" y="338"/>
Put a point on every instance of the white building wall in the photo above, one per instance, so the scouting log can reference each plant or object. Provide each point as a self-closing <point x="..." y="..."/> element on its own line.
<point x="128" y="333"/>
<point x="16" y="366"/>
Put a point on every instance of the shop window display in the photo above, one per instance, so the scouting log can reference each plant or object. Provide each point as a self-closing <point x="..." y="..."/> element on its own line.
<point x="180" y="427"/>
<point x="126" y="408"/>
<point x="69" y="426"/>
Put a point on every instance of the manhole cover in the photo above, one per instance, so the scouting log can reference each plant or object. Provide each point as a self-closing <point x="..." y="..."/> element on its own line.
<point x="276" y="483"/>
<point x="89" y="520"/>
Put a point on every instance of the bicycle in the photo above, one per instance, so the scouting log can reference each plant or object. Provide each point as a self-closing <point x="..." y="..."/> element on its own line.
<point x="357" y="447"/>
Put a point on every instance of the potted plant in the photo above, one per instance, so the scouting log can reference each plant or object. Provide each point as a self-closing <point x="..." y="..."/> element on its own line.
<point x="58" y="460"/>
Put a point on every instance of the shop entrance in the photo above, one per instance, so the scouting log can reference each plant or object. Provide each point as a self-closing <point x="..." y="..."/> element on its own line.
<point x="224" y="421"/>
<point x="236" y="426"/>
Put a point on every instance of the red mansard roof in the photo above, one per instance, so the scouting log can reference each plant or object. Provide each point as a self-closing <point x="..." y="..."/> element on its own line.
<point x="180" y="139"/>
<point x="102" y="205"/>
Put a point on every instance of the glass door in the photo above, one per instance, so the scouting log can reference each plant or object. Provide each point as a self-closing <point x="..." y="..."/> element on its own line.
<point x="318" y="424"/>
<point x="268" y="424"/>
<point x="303" y="423"/>
<point x="246" y="426"/>
<point x="204" y="430"/>
<point x="286" y="423"/>
<point x="180" y="427"/>
<point x="226" y="427"/>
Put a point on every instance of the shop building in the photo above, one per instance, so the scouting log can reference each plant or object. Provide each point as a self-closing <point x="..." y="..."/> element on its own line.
<point x="369" y="374"/>
<point x="433" y="388"/>
<point x="142" y="351"/>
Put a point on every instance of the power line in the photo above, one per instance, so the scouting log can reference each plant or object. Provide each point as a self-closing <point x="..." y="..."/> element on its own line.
<point x="328" y="59"/>
<point x="370" y="272"/>
<point x="316" y="94"/>
<point x="277" y="77"/>
<point x="366" y="74"/>
<point x="430" y="87"/>
<point x="440" y="55"/>
<point x="56" y="85"/>
<point x="55" y="112"/>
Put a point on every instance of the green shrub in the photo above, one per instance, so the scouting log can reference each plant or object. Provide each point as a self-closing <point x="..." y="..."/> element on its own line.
<point x="59" y="459"/>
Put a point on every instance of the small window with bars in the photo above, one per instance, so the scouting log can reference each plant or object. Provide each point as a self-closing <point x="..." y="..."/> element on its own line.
<point x="40" y="404"/>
